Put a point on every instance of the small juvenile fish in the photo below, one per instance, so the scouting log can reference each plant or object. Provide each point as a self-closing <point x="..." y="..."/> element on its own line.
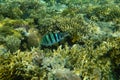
<point x="51" y="38"/>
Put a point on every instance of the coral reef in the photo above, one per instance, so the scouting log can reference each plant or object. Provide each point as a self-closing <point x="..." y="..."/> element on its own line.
<point x="91" y="52"/>
<point x="12" y="43"/>
<point x="18" y="66"/>
<point x="104" y="13"/>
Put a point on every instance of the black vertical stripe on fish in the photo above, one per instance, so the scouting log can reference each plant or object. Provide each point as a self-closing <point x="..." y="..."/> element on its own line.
<point x="56" y="35"/>
<point x="52" y="38"/>
<point x="59" y="36"/>
<point x="47" y="39"/>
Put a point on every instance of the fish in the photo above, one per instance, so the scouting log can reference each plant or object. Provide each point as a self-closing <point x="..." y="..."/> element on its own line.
<point x="53" y="38"/>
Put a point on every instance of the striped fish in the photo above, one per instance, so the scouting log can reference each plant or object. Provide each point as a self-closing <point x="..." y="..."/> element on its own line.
<point x="51" y="38"/>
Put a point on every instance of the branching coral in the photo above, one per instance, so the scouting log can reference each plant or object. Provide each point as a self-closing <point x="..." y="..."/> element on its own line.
<point x="104" y="13"/>
<point x="18" y="66"/>
<point x="12" y="43"/>
<point x="77" y="60"/>
<point x="93" y="55"/>
<point x="19" y="9"/>
<point x="9" y="27"/>
<point x="86" y="61"/>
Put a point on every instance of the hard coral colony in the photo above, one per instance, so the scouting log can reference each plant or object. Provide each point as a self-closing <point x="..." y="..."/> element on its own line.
<point x="59" y="40"/>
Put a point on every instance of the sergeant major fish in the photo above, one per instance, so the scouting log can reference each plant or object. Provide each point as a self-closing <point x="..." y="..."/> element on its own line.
<point x="52" y="38"/>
